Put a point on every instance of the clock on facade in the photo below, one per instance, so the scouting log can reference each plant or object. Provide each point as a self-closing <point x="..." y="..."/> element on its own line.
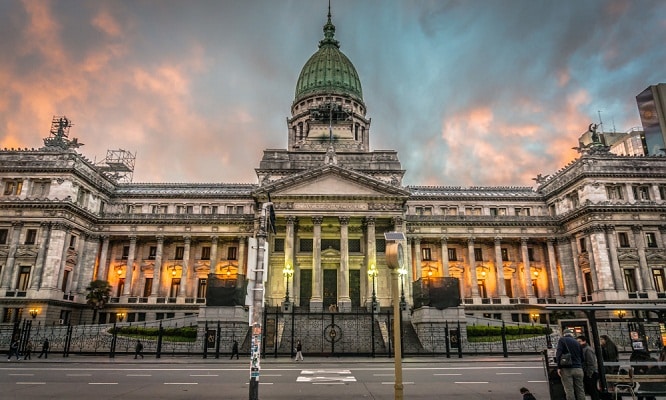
<point x="395" y="253"/>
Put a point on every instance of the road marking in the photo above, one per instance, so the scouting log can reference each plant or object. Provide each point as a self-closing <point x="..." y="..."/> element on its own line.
<point x="181" y="383"/>
<point x="31" y="383"/>
<point x="261" y="383"/>
<point x="508" y="373"/>
<point x="325" y="371"/>
<point x="470" y="382"/>
<point x="271" y="375"/>
<point x="447" y="374"/>
<point x="208" y="375"/>
<point x="326" y="376"/>
<point x="102" y="383"/>
<point x="138" y="375"/>
<point x="537" y="381"/>
<point x="393" y="383"/>
<point x="21" y="374"/>
<point x="79" y="374"/>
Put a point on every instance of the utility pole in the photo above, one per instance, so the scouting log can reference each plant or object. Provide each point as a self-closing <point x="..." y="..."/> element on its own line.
<point x="258" y="305"/>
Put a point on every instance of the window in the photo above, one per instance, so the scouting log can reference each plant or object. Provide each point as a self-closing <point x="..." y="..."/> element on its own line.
<point x="240" y="209"/>
<point x="623" y="238"/>
<point x="483" y="292"/>
<point x="662" y="192"/>
<point x="232" y="253"/>
<point x="23" y="278"/>
<point x="452" y="255"/>
<point x="147" y="287"/>
<point x="13" y="187"/>
<point x="651" y="239"/>
<point x="180" y="252"/>
<point x="189" y="210"/>
<point x="493" y="211"/>
<point x="152" y="252"/>
<point x="522" y="211"/>
<point x="425" y="254"/>
<point x="614" y="192"/>
<point x="213" y="210"/>
<point x="330" y="244"/>
<point x="175" y="287"/>
<point x="72" y="241"/>
<point x="573" y="199"/>
<point x="354" y="245"/>
<point x="659" y="282"/>
<point x="201" y="288"/>
<point x="3" y="236"/>
<point x="31" y="236"/>
<point x="125" y="254"/>
<point x="278" y="245"/>
<point x="230" y="209"/>
<point x="505" y="254"/>
<point x="40" y="189"/>
<point x="478" y="254"/>
<point x="583" y="245"/>
<point x="508" y="287"/>
<point x="180" y="209"/>
<point x="121" y="287"/>
<point x="65" y="280"/>
<point x="205" y="253"/>
<point x="629" y="280"/>
<point x="641" y="192"/>
<point x="530" y="254"/>
<point x="205" y="209"/>
<point x="380" y="245"/>
<point x="305" y="245"/>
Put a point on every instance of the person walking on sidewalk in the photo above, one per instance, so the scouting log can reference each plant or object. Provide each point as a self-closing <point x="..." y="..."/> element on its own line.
<point x="234" y="350"/>
<point x="590" y="369"/>
<point x="13" y="350"/>
<point x="299" y="351"/>
<point x="138" y="349"/>
<point x="45" y="349"/>
<point x="526" y="394"/>
<point x="28" y="350"/>
<point x="569" y="358"/>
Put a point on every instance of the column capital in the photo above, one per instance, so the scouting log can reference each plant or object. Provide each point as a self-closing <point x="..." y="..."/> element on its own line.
<point x="214" y="239"/>
<point x="523" y="240"/>
<point x="344" y="220"/>
<point x="187" y="239"/>
<point x="132" y="239"/>
<point x="498" y="240"/>
<point x="609" y="228"/>
<point x="470" y="240"/>
<point x="552" y="240"/>
<point x="159" y="238"/>
<point x="396" y="221"/>
<point x="369" y="220"/>
<point x="637" y="228"/>
<point x="317" y="220"/>
<point x="662" y="228"/>
<point x="415" y="239"/>
<point x="444" y="240"/>
<point x="291" y="220"/>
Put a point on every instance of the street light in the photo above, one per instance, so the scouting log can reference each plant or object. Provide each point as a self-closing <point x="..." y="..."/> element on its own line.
<point x="403" y="303"/>
<point x="288" y="272"/>
<point x="535" y="318"/>
<point x="620" y="313"/>
<point x="120" y="316"/>
<point x="34" y="312"/>
<point x="372" y="272"/>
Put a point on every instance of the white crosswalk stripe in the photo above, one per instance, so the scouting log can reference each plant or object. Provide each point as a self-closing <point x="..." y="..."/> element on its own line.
<point x="326" y="376"/>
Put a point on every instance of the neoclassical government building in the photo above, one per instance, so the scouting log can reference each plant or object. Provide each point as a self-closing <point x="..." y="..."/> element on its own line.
<point x="594" y="231"/>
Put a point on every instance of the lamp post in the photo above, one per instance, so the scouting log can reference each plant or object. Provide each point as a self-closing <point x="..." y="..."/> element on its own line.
<point x="535" y="318"/>
<point x="372" y="272"/>
<point x="120" y="316"/>
<point x="34" y="312"/>
<point x="403" y="303"/>
<point x="288" y="272"/>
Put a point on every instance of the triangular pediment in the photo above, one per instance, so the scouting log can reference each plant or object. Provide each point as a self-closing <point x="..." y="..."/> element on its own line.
<point x="331" y="180"/>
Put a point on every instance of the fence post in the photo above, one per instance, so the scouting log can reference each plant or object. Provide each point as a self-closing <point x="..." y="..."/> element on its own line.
<point x="372" y="329"/>
<point x="292" y="331"/>
<point x="217" y="340"/>
<point x="68" y="340"/>
<point x="160" y="335"/>
<point x="446" y="339"/>
<point x="459" y="341"/>
<point x="505" y="350"/>
<point x="114" y="336"/>
<point x="205" y="341"/>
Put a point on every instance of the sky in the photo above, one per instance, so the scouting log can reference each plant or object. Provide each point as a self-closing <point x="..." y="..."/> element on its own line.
<point x="469" y="92"/>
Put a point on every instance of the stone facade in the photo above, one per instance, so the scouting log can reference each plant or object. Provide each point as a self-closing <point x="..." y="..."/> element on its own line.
<point x="594" y="231"/>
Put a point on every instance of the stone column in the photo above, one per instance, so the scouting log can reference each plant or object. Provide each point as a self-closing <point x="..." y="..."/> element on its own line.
<point x="445" y="256"/>
<point x="578" y="273"/>
<point x="418" y="267"/>
<point x="185" y="274"/>
<point x="242" y="262"/>
<point x="103" y="266"/>
<point x="527" y="272"/>
<point x="471" y="274"/>
<point x="316" y="302"/>
<point x="85" y="267"/>
<point x="552" y="268"/>
<point x="630" y="193"/>
<point x="289" y="256"/>
<point x="618" y="282"/>
<point x="36" y="283"/>
<point x="157" y="270"/>
<point x="499" y="270"/>
<point x="213" y="254"/>
<point x="8" y="280"/>
<point x="591" y="258"/>
<point x="344" y="302"/>
<point x="129" y="274"/>
<point x="371" y="257"/>
<point x="645" y="271"/>
<point x="63" y="259"/>
<point x="568" y="267"/>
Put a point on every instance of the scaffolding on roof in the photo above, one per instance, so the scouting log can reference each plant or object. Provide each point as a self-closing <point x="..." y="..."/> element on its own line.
<point x="118" y="165"/>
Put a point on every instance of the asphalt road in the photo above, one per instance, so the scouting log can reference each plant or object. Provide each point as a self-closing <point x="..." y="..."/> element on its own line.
<point x="468" y="379"/>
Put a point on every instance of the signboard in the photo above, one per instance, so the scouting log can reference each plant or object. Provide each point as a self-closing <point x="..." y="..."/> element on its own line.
<point x="210" y="338"/>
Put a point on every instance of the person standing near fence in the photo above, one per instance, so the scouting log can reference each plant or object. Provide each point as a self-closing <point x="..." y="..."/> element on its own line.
<point x="234" y="350"/>
<point x="45" y="349"/>
<point x="138" y="349"/>
<point x="14" y="350"/>
<point x="28" y="350"/>
<point x="590" y="369"/>
<point x="569" y="358"/>
<point x="299" y="351"/>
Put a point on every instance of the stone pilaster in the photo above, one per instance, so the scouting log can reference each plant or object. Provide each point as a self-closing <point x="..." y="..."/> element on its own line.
<point x="8" y="280"/>
<point x="129" y="274"/>
<point x="499" y="269"/>
<point x="527" y="269"/>
<point x="552" y="268"/>
<point x="45" y="229"/>
<point x="344" y="302"/>
<point x="157" y="270"/>
<point x="645" y="273"/>
<point x="185" y="274"/>
<point x="471" y="278"/>
<point x="445" y="256"/>
<point x="316" y="302"/>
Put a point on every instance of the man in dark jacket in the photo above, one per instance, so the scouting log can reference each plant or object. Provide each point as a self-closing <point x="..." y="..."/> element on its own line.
<point x="590" y="369"/>
<point x="572" y="375"/>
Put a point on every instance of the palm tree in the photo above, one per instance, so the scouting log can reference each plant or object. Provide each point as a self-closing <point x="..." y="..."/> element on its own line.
<point x="98" y="295"/>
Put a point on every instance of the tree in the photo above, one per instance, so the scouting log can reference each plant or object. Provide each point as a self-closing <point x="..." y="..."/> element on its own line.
<point x="99" y="292"/>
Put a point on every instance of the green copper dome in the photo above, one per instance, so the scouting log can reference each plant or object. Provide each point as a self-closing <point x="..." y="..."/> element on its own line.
<point x="328" y="71"/>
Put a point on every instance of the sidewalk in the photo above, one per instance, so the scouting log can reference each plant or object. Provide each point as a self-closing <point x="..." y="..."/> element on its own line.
<point x="243" y="361"/>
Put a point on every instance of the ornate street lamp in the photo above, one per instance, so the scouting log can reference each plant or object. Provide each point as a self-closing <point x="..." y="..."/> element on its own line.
<point x="34" y="312"/>
<point x="120" y="316"/>
<point x="288" y="272"/>
<point x="372" y="272"/>
<point x="535" y="318"/>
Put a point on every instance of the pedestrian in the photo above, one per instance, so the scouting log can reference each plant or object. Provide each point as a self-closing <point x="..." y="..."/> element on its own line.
<point x="234" y="350"/>
<point x="569" y="358"/>
<point x="45" y="349"/>
<point x="526" y="394"/>
<point x="28" y="350"/>
<point x="138" y="349"/>
<point x="299" y="351"/>
<point x="609" y="354"/>
<point x="14" y="350"/>
<point x="590" y="369"/>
